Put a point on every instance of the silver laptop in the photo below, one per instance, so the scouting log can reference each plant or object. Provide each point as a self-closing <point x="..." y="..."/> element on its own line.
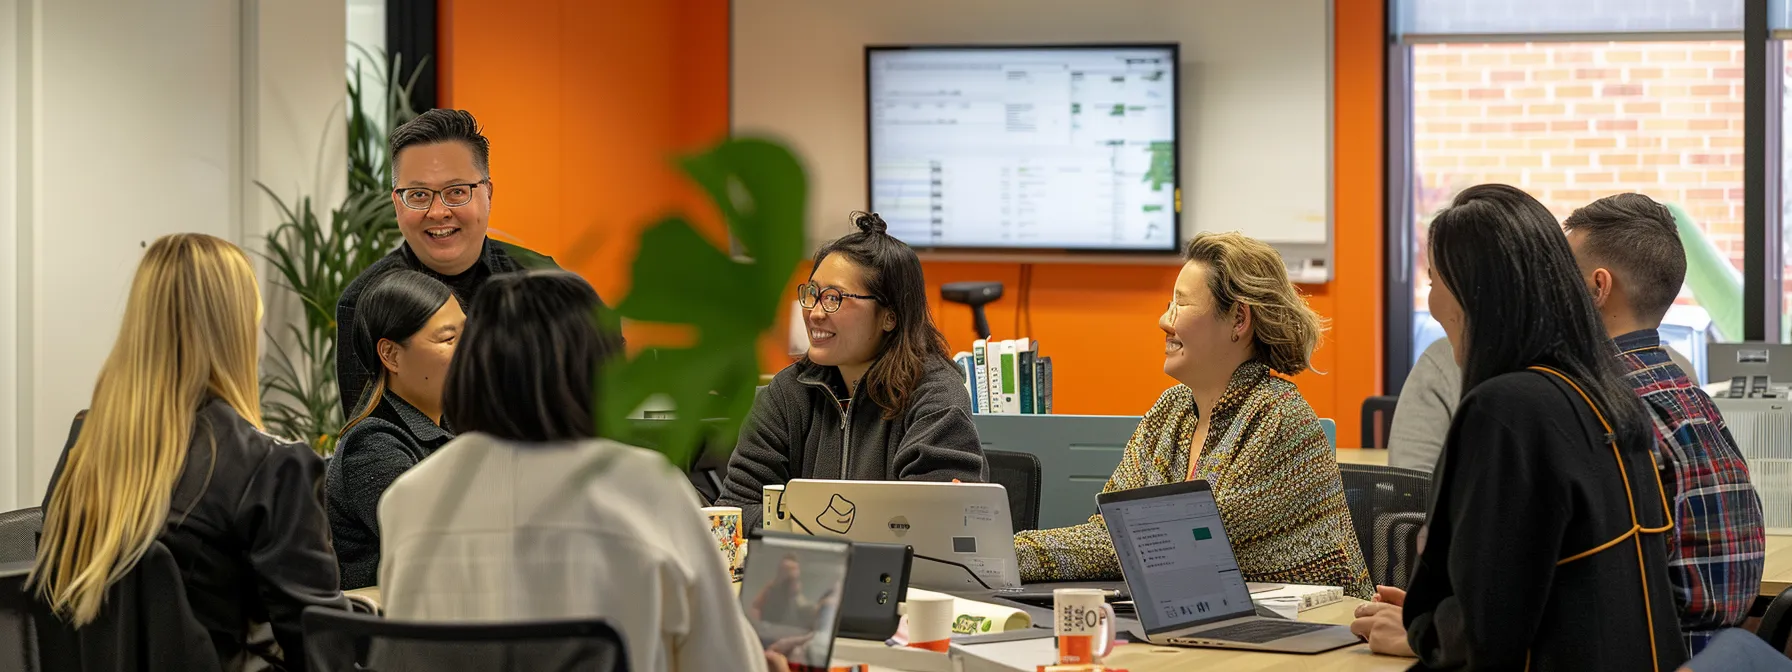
<point x="961" y="532"/>
<point x="1184" y="579"/>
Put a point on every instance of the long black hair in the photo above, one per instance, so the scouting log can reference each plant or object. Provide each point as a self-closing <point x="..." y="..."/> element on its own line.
<point x="893" y="274"/>
<point x="1524" y="303"/>
<point x="529" y="358"/>
<point x="398" y="305"/>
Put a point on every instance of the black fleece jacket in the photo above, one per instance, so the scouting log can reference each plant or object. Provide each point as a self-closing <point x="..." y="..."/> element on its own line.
<point x="798" y="430"/>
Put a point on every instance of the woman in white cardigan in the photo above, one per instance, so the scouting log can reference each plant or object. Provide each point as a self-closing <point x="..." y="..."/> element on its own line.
<point x="527" y="516"/>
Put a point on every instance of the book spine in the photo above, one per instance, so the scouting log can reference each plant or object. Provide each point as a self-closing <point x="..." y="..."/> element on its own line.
<point x="1010" y="379"/>
<point x="997" y="403"/>
<point x="1042" y="385"/>
<point x="980" y="359"/>
<point x="968" y="368"/>
<point x="1029" y="399"/>
<point x="1317" y="599"/>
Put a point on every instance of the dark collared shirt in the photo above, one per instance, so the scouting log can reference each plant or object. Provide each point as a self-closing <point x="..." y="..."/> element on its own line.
<point x="497" y="257"/>
<point x="1718" y="544"/>
<point x="372" y="454"/>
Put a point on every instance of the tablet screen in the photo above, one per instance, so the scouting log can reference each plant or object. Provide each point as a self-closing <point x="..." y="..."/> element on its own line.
<point x="791" y="594"/>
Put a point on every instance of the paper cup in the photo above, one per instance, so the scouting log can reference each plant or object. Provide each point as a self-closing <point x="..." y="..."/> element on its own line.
<point x="724" y="525"/>
<point x="929" y="621"/>
<point x="1084" y="623"/>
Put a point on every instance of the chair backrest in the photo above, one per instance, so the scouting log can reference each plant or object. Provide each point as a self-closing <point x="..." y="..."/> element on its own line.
<point x="146" y="624"/>
<point x="18" y="534"/>
<point x="1387" y="508"/>
<point x="1330" y="427"/>
<point x="341" y="641"/>
<point x="1776" y="624"/>
<point x="1077" y="454"/>
<point x="18" y="633"/>
<point x="1378" y="420"/>
<point x="1019" y="473"/>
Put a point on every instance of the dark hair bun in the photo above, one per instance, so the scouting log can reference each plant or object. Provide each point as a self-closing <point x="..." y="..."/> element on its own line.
<point x="869" y="222"/>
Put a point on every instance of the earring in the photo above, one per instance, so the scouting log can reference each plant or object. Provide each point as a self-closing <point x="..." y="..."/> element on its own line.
<point x="1235" y="338"/>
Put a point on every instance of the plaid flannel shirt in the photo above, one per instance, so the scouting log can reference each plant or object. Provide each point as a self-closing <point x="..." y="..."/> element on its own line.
<point x="1718" y="544"/>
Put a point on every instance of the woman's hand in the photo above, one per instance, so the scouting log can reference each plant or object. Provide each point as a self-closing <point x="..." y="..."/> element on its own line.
<point x="776" y="662"/>
<point x="1390" y="595"/>
<point x="1380" y="624"/>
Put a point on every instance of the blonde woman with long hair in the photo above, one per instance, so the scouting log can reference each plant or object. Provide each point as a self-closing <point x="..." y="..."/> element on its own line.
<point x="172" y="450"/>
<point x="1234" y="328"/>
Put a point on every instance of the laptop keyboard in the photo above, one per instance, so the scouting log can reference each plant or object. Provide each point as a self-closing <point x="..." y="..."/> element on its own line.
<point x="1255" y="632"/>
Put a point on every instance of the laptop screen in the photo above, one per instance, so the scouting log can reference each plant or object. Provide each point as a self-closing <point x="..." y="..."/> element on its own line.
<point x="791" y="593"/>
<point x="1175" y="555"/>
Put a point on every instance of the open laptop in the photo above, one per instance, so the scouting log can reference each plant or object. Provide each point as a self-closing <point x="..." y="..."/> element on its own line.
<point x="1185" y="582"/>
<point x="961" y="532"/>
<point x="791" y="593"/>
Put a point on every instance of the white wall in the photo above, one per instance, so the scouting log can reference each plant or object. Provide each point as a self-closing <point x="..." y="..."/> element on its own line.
<point x="141" y="119"/>
<point x="1255" y="93"/>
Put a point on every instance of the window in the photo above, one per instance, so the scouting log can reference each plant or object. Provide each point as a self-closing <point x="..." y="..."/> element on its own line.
<point x="1573" y="122"/>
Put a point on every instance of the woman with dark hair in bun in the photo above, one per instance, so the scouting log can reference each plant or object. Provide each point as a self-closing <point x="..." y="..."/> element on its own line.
<point x="876" y="398"/>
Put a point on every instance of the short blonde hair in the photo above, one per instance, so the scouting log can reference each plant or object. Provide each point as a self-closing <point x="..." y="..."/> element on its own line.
<point x="1241" y="269"/>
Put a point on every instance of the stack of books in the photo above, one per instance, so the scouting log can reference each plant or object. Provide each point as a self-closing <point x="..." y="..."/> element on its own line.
<point x="1007" y="377"/>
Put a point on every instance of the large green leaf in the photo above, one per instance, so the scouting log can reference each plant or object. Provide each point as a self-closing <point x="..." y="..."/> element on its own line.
<point x="679" y="277"/>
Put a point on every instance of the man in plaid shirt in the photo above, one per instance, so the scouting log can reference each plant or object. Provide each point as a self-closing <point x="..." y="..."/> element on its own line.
<point x="1630" y="253"/>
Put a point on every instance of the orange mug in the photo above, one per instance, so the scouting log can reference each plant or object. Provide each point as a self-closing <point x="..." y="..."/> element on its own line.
<point x="1084" y="623"/>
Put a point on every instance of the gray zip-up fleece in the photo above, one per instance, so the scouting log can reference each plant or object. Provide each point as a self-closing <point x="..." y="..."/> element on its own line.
<point x="797" y="430"/>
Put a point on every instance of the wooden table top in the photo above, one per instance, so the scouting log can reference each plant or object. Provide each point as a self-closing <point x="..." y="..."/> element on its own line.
<point x="1375" y="456"/>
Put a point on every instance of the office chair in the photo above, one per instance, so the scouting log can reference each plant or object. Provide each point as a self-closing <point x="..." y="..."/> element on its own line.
<point x="1776" y="624"/>
<point x="1020" y="474"/>
<point x="340" y="641"/>
<point x="1378" y="421"/>
<point x="145" y="624"/>
<point x="18" y="534"/>
<point x="1388" y="506"/>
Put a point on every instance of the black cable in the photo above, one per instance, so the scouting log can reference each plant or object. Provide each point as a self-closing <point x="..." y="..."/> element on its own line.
<point x="951" y="563"/>
<point x="1026" y="296"/>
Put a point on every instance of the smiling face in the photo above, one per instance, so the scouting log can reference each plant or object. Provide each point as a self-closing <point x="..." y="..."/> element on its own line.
<point x="446" y="239"/>
<point x="416" y="368"/>
<point x="851" y="337"/>
<point x="1199" y="343"/>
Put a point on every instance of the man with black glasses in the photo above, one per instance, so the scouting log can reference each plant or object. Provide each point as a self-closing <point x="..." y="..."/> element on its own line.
<point x="442" y="195"/>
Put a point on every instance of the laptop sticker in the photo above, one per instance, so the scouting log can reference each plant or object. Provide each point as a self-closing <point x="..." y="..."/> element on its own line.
<point x="899" y="525"/>
<point x="839" y="515"/>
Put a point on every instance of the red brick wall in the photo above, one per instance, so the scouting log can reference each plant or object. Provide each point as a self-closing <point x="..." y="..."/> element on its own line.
<point x="1571" y="123"/>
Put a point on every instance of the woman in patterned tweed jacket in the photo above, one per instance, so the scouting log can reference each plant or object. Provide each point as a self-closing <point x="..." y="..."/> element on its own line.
<point x="1234" y="318"/>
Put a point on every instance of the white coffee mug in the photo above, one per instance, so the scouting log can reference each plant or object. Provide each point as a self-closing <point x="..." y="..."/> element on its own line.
<point x="929" y="618"/>
<point x="1084" y="623"/>
<point x="771" y="509"/>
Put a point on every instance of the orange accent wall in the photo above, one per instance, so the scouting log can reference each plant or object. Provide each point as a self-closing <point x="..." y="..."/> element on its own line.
<point x="584" y="103"/>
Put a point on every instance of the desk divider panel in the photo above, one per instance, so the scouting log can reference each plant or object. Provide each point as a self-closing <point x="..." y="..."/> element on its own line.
<point x="1077" y="454"/>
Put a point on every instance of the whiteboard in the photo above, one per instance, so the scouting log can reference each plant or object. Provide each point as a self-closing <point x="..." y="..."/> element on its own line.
<point x="1255" y="95"/>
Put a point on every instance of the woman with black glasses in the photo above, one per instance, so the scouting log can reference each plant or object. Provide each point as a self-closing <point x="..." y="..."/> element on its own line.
<point x="877" y="397"/>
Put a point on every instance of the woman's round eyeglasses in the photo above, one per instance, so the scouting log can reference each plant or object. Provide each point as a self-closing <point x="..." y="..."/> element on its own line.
<point x="808" y="294"/>
<point x="453" y="195"/>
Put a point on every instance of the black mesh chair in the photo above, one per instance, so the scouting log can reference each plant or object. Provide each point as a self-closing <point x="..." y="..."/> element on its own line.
<point x="1776" y="623"/>
<point x="1378" y="420"/>
<point x="340" y="641"/>
<point x="1388" y="507"/>
<point x="1020" y="474"/>
<point x="18" y="534"/>
<point x="145" y="623"/>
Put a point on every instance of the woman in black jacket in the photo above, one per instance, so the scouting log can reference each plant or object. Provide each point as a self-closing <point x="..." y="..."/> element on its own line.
<point x="1545" y="548"/>
<point x="877" y="398"/>
<point x="171" y="450"/>
<point x="409" y="323"/>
